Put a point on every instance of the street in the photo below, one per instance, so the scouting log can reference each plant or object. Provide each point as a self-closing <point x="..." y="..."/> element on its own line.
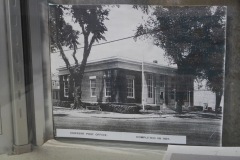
<point x="198" y="130"/>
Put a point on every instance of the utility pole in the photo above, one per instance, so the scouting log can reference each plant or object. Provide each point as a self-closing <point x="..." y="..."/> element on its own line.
<point x="143" y="103"/>
<point x="189" y="95"/>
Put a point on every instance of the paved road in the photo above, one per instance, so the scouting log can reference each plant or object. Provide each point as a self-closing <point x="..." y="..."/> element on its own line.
<point x="199" y="131"/>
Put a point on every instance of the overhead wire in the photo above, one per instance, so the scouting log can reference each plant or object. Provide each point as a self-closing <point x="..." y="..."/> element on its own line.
<point x="116" y="40"/>
<point x="100" y="43"/>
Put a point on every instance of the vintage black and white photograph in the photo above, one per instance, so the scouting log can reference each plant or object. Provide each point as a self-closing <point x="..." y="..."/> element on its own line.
<point x="141" y="73"/>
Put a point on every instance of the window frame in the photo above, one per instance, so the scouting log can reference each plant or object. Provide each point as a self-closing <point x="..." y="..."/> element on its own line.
<point x="162" y="81"/>
<point x="91" y="91"/>
<point x="65" y="80"/>
<point x="105" y="87"/>
<point x="150" y="86"/>
<point x="133" y="87"/>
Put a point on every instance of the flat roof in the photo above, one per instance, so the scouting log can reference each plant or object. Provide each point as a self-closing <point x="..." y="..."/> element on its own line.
<point x="123" y="63"/>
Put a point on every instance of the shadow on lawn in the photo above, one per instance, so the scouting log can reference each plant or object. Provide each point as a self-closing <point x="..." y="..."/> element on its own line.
<point x="199" y="115"/>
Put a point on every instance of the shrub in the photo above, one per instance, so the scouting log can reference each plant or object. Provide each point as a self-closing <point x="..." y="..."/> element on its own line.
<point x="66" y="104"/>
<point x="196" y="108"/>
<point x="93" y="107"/>
<point x="120" y="108"/>
<point x="149" y="107"/>
<point x="55" y="103"/>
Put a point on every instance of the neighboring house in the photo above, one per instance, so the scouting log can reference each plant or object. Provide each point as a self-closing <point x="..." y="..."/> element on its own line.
<point x="119" y="80"/>
<point x="55" y="87"/>
<point x="203" y="96"/>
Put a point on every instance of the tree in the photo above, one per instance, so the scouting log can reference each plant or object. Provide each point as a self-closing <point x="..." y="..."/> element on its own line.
<point x="62" y="35"/>
<point x="193" y="39"/>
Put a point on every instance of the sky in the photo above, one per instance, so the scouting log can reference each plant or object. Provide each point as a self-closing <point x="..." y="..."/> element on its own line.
<point x="122" y="23"/>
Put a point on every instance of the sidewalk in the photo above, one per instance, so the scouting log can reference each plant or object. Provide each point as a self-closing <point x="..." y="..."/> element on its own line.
<point x="147" y="114"/>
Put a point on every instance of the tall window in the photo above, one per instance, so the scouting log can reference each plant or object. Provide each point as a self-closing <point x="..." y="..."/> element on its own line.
<point x="93" y="87"/>
<point x="56" y="94"/>
<point x="173" y="82"/>
<point x="172" y="95"/>
<point x="150" y="85"/>
<point x="161" y="81"/>
<point x="109" y="73"/>
<point x="107" y="87"/>
<point x="130" y="88"/>
<point x="65" y="86"/>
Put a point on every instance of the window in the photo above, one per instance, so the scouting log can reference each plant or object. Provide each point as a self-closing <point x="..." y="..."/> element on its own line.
<point x="150" y="85"/>
<point x="53" y="95"/>
<point x="56" y="95"/>
<point x="161" y="81"/>
<point x="130" y="88"/>
<point x="93" y="87"/>
<point x="109" y="73"/>
<point x="107" y="87"/>
<point x="65" y="86"/>
<point x="173" y="81"/>
<point x="172" y="94"/>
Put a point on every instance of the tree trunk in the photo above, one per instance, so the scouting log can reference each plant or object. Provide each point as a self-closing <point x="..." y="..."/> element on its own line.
<point x="78" y="77"/>
<point x="77" y="98"/>
<point x="71" y="88"/>
<point x="78" y="93"/>
<point x="180" y="92"/>
<point x="179" y="99"/>
<point x="218" y="100"/>
<point x="180" y="88"/>
<point x="79" y="71"/>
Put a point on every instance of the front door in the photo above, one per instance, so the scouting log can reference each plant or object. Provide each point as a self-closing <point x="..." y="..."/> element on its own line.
<point x="160" y="95"/>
